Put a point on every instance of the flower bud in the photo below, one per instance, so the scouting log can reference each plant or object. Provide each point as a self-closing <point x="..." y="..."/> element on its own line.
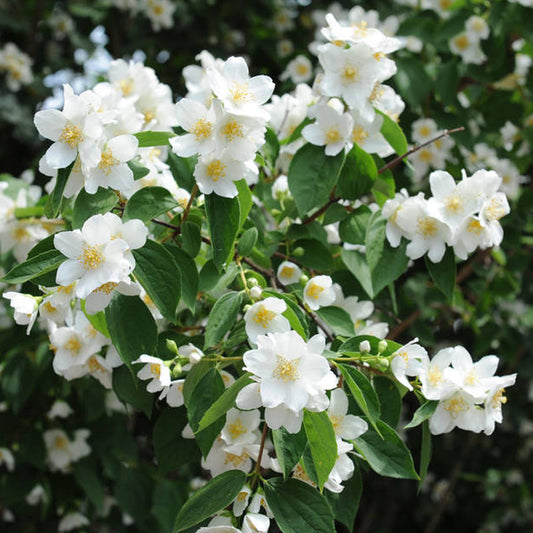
<point x="382" y="346"/>
<point x="298" y="252"/>
<point x="172" y="346"/>
<point x="364" y="347"/>
<point x="255" y="292"/>
<point x="252" y="282"/>
<point x="176" y="371"/>
<point x="304" y="279"/>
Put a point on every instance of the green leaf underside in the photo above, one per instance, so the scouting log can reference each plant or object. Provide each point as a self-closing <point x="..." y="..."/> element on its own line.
<point x="34" y="267"/>
<point x="393" y="134"/>
<point x="424" y="412"/>
<point x="298" y="507"/>
<point x="222" y="317"/>
<point x="289" y="448"/>
<point x="223" y="220"/>
<point x="54" y="200"/>
<point x="443" y="273"/>
<point x="211" y="498"/>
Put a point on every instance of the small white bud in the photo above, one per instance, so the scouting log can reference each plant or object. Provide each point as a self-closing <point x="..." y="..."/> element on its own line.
<point x="195" y="358"/>
<point x="255" y="292"/>
<point x="364" y="347"/>
<point x="382" y="346"/>
<point x="252" y="282"/>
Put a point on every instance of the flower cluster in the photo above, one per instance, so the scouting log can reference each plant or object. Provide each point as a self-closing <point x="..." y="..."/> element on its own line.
<point x="227" y="132"/>
<point x="470" y="396"/>
<point x="464" y="215"/>
<point x="467" y="43"/>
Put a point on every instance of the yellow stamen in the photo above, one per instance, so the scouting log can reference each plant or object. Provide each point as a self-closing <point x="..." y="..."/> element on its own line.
<point x="456" y="406"/>
<point x="155" y="369"/>
<point x="202" y="129"/>
<point x="215" y="170"/>
<point x="73" y="345"/>
<point x="71" y="135"/>
<point x="263" y="316"/>
<point x="287" y="370"/>
<point x="91" y="257"/>
<point x="314" y="290"/>
<point x="427" y="226"/>
<point x="232" y="130"/>
<point x="240" y="93"/>
<point x="453" y="204"/>
<point x="236" y="429"/>
<point x="107" y="161"/>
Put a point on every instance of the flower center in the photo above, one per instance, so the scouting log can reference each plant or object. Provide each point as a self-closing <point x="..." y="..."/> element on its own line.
<point x="94" y="365"/>
<point x="49" y="308"/>
<point x="20" y="234"/>
<point x="426" y="156"/>
<point x="471" y="378"/>
<point x="302" y="69"/>
<point x="456" y="406"/>
<point x="73" y="345"/>
<point x="107" y="288"/>
<point x="240" y="93"/>
<point x="287" y="370"/>
<point x="215" y="170"/>
<point x="498" y="399"/>
<point x="155" y="369"/>
<point x="434" y="376"/>
<point x="350" y="74"/>
<point x="424" y="131"/>
<point x="495" y="211"/>
<point x="427" y="226"/>
<point x="333" y="135"/>
<point x="453" y="204"/>
<point x="91" y="257"/>
<point x="107" y="161"/>
<point x="286" y="272"/>
<point x="235" y="460"/>
<point x="475" y="227"/>
<point x="126" y="86"/>
<point x="263" y="316"/>
<point x="232" y="130"/>
<point x="314" y="290"/>
<point x="71" y="135"/>
<point x="359" y="134"/>
<point x="462" y="42"/>
<point x="60" y="442"/>
<point x="236" y="429"/>
<point x="202" y="129"/>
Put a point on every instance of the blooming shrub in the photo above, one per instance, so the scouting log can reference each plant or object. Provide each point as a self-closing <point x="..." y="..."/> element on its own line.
<point x="222" y="286"/>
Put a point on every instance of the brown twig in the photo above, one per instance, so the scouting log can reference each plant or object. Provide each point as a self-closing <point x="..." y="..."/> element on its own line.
<point x="322" y="210"/>
<point x="260" y="456"/>
<point x="417" y="147"/>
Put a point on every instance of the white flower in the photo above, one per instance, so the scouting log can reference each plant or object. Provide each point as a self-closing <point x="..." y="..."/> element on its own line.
<point x="390" y="211"/>
<point x="255" y="523"/>
<point x="423" y="130"/>
<point x="331" y="129"/>
<point x="346" y="426"/>
<point x="427" y="233"/>
<point x="477" y="27"/>
<point x="239" y="93"/>
<point x="174" y="393"/>
<point x="458" y="410"/>
<point x="112" y="170"/>
<point x="241" y="501"/>
<point x="25" y="307"/>
<point x="7" y="459"/>
<point x="266" y="317"/>
<point x="62" y="451"/>
<point x="75" y="130"/>
<point x="298" y="70"/>
<point x="154" y="370"/>
<point x="434" y="375"/>
<point x="494" y="401"/>
<point x="159" y="12"/>
<point x="72" y="521"/>
<point x="467" y="47"/>
<point x="217" y="173"/>
<point x="241" y="427"/>
<point x="100" y="298"/>
<point x="36" y="495"/>
<point x="291" y="374"/>
<point x="343" y="468"/>
<point x="95" y="255"/>
<point x="192" y="353"/>
<point x="199" y="122"/>
<point x="408" y="361"/>
<point x="319" y="292"/>
<point x="59" y="409"/>
<point x="288" y="273"/>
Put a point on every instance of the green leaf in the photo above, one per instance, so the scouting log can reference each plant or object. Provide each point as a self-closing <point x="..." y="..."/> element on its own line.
<point x="312" y="176"/>
<point x="154" y="138"/>
<point x="130" y="390"/>
<point x="289" y="448"/>
<point x="97" y="320"/>
<point x="298" y="507"/>
<point x="148" y="203"/>
<point x="389" y="399"/>
<point x="158" y="273"/>
<point x="322" y="443"/>
<point x="387" y="455"/>
<point x="414" y="84"/>
<point x="375" y="239"/>
<point x="224" y="403"/>
<point x="171" y="449"/>
<point x="182" y="169"/>
<point x="245" y="201"/>
<point x="316" y="254"/>
<point x="447" y="83"/>
<point x="362" y="392"/>
<point x="191" y="238"/>
<point x="189" y="275"/>
<point x="425" y="453"/>
<point x="346" y="504"/>
<point x="194" y="377"/>
<point x="205" y="394"/>
<point x="443" y="273"/>
<point x="131" y="326"/>
<point x="247" y="241"/>
<point x="138" y="169"/>
<point x="169" y="495"/>
<point x="271" y="146"/>
<point x="34" y="267"/>
<point x="88" y="205"/>
<point x="53" y="204"/>
<point x="358" y="174"/>
<point x="211" y="498"/>
<point x="223" y="220"/>
<point x="222" y="317"/>
<point x="133" y="492"/>
<point x="86" y="473"/>
<point x="353" y="228"/>
<point x="424" y="412"/>
<point x="338" y="319"/>
<point x="393" y="134"/>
